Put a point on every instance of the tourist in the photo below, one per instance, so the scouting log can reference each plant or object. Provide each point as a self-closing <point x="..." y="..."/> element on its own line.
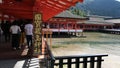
<point x="7" y="32"/>
<point x="5" y="26"/>
<point x="29" y="32"/>
<point x="15" y="30"/>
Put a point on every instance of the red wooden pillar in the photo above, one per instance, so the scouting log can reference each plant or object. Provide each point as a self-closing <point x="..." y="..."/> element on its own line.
<point x="75" y="26"/>
<point x="72" y="25"/>
<point x="83" y="24"/>
<point x="58" y="26"/>
<point x="65" y="25"/>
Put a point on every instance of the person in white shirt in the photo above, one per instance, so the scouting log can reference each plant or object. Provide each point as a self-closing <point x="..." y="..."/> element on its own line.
<point x="29" y="33"/>
<point x="15" y="30"/>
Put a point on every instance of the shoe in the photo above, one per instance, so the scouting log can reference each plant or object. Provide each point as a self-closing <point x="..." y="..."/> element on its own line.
<point x="18" y="48"/>
<point x="14" y="48"/>
<point x="26" y="47"/>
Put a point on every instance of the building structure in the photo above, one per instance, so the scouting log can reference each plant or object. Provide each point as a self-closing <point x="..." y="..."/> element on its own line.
<point x="65" y="22"/>
<point x="95" y="22"/>
<point x="115" y="21"/>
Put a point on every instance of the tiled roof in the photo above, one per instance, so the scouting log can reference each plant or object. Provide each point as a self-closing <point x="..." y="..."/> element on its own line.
<point x="68" y="14"/>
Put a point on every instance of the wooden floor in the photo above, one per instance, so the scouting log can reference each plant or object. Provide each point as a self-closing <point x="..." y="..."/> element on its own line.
<point x="6" y="51"/>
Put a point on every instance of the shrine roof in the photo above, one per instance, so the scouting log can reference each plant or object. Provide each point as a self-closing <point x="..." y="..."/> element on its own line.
<point x="27" y="8"/>
<point x="68" y="14"/>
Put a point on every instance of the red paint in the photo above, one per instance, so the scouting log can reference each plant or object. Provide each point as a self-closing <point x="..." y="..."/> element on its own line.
<point x="25" y="8"/>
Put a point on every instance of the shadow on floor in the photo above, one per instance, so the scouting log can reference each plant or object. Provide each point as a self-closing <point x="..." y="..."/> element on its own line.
<point x="16" y="58"/>
<point x="23" y="63"/>
<point x="7" y="53"/>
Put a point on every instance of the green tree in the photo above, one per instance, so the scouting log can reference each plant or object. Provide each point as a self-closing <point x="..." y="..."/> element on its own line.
<point x="77" y="11"/>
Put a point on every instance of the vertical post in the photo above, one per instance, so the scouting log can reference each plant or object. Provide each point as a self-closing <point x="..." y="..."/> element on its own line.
<point x="47" y="35"/>
<point x="43" y="32"/>
<point x="85" y="62"/>
<point x="37" y="34"/>
<point x="52" y="64"/>
<point x="99" y="59"/>
<point x="59" y="28"/>
<point x="51" y="39"/>
<point x="77" y="63"/>
<point x="92" y="60"/>
<point x="61" y="63"/>
<point x="69" y="62"/>
<point x="75" y="29"/>
<point x="58" y="25"/>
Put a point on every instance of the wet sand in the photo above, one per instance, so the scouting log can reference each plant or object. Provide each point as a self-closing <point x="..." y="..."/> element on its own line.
<point x="94" y="43"/>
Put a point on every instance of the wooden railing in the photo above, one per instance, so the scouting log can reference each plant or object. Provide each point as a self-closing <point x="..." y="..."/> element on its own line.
<point x="82" y="61"/>
<point x="49" y="58"/>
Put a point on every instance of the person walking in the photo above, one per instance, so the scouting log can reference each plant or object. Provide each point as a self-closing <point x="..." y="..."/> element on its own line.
<point x="15" y="30"/>
<point x="7" y="32"/>
<point x="29" y="33"/>
<point x="5" y="26"/>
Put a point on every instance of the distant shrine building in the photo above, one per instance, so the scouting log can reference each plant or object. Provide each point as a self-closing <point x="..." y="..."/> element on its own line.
<point x="115" y="21"/>
<point x="97" y="23"/>
<point x="66" y="22"/>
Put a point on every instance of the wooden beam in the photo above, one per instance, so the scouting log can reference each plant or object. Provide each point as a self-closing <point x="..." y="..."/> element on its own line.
<point x="15" y="7"/>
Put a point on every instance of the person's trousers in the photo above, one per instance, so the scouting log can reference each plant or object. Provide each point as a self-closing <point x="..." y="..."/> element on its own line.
<point x="29" y="40"/>
<point x="7" y="36"/>
<point x="15" y="40"/>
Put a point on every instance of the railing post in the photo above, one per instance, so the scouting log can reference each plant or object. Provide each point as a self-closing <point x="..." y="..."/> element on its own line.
<point x="77" y="63"/>
<point x="61" y="63"/>
<point x="91" y="59"/>
<point x="92" y="62"/>
<point x="50" y="57"/>
<point x="69" y="62"/>
<point x="52" y="63"/>
<point x="85" y="62"/>
<point x="99" y="59"/>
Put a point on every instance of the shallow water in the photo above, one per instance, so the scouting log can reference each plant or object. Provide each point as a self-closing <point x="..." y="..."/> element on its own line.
<point x="107" y="43"/>
<point x="94" y="43"/>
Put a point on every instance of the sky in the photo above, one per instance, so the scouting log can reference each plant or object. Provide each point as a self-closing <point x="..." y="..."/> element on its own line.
<point x="117" y="0"/>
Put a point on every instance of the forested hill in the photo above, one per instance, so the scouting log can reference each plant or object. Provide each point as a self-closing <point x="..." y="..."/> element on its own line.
<point x="100" y="7"/>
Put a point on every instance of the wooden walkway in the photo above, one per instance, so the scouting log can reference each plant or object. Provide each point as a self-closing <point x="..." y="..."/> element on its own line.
<point x="111" y="31"/>
<point x="6" y="51"/>
<point x="64" y="30"/>
<point x="17" y="58"/>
